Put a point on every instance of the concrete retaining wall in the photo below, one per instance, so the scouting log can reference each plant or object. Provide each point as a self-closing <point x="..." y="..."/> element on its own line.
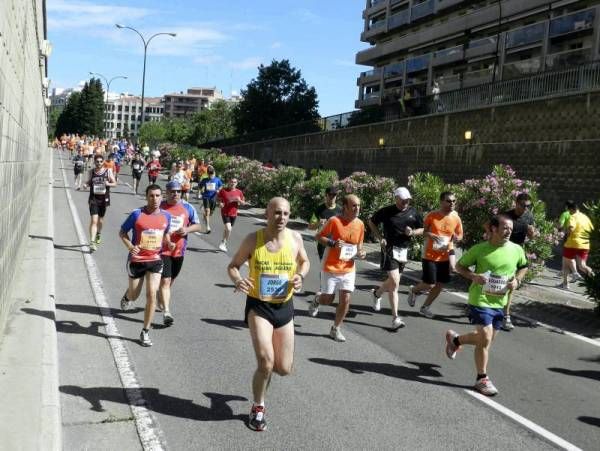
<point x="23" y="131"/>
<point x="554" y="142"/>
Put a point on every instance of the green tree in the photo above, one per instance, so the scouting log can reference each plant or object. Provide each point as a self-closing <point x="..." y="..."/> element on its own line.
<point x="91" y="108"/>
<point x="152" y="133"/>
<point x="53" y="116"/>
<point x="212" y="124"/>
<point x="178" y="130"/>
<point x="69" y="119"/>
<point x="278" y="96"/>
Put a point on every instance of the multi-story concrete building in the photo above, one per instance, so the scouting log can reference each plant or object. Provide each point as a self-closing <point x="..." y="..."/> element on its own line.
<point x="122" y="116"/>
<point x="453" y="44"/>
<point x="195" y="100"/>
<point x="154" y="107"/>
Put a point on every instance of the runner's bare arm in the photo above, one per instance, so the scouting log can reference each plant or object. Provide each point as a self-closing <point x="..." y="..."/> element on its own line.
<point x="376" y="233"/>
<point x="111" y="179"/>
<point x="243" y="284"/>
<point x="127" y="242"/>
<point x="518" y="279"/>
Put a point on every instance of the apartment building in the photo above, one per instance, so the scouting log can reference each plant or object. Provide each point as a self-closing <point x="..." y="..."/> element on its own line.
<point x="452" y="44"/>
<point x="193" y="101"/>
<point x="122" y="116"/>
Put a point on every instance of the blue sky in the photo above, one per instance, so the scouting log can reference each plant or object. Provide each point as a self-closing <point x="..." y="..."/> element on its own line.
<point x="218" y="43"/>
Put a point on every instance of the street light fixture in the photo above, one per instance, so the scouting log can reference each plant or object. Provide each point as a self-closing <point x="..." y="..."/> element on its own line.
<point x="146" y="42"/>
<point x="108" y="82"/>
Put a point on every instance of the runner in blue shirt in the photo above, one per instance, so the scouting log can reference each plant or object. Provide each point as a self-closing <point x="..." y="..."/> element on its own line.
<point x="209" y="187"/>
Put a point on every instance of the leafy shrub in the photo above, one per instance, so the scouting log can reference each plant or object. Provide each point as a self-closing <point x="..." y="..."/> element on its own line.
<point x="592" y="284"/>
<point x="479" y="199"/>
<point x="425" y="189"/>
<point x="373" y="191"/>
<point x="309" y="194"/>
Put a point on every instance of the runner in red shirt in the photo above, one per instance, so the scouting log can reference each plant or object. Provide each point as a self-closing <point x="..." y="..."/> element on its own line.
<point x="230" y="198"/>
<point x="154" y="168"/>
<point x="150" y="226"/>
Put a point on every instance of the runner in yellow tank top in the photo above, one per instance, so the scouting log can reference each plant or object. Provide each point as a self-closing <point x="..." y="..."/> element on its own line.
<point x="278" y="264"/>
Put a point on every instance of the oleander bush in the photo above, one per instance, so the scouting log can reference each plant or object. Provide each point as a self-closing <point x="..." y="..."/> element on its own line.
<point x="310" y="193"/>
<point x="592" y="283"/>
<point x="479" y="199"/>
<point x="373" y="191"/>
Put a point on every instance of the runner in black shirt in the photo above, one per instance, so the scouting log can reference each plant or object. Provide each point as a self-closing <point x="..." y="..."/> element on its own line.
<point x="400" y="223"/>
<point x="522" y="228"/>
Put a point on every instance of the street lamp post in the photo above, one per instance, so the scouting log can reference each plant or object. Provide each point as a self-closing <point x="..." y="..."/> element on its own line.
<point x="146" y="42"/>
<point x="108" y="82"/>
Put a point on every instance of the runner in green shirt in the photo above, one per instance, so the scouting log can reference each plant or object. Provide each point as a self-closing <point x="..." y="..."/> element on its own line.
<point x="500" y="266"/>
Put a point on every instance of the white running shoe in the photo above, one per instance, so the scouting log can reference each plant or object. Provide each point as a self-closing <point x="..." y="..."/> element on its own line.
<point x="485" y="387"/>
<point x="145" y="338"/>
<point x="397" y="323"/>
<point x="376" y="301"/>
<point x="223" y="246"/>
<point x="426" y="312"/>
<point x="336" y="334"/>
<point x="313" y="308"/>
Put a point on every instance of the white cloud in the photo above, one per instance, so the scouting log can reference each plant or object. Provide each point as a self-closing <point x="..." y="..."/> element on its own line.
<point x="247" y="63"/>
<point x="69" y="14"/>
<point x="276" y="45"/>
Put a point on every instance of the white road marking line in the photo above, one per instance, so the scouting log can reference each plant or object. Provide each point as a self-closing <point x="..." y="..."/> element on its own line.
<point x="553" y="438"/>
<point x="150" y="434"/>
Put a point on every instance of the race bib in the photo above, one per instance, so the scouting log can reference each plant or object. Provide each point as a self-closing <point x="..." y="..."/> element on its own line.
<point x="400" y="254"/>
<point x="176" y="223"/>
<point x="136" y="166"/>
<point x="273" y="286"/>
<point x="441" y="244"/>
<point x="99" y="188"/>
<point x="79" y="163"/>
<point x="151" y="240"/>
<point x="348" y="251"/>
<point x="212" y="186"/>
<point x="496" y="285"/>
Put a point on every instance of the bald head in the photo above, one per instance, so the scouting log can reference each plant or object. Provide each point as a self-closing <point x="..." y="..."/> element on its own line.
<point x="350" y="206"/>
<point x="278" y="213"/>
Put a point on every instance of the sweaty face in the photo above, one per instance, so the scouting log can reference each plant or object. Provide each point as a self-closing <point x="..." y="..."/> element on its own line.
<point x="278" y="215"/>
<point x="232" y="184"/>
<point x="503" y="231"/>
<point x="352" y="208"/>
<point x="154" y="197"/>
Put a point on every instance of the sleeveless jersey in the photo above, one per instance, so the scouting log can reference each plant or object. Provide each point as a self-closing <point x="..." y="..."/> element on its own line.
<point x="272" y="272"/>
<point x="99" y="192"/>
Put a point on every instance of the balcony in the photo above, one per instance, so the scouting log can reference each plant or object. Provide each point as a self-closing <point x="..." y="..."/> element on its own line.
<point x="444" y="4"/>
<point x="582" y="20"/>
<point x="448" y="82"/>
<point x="448" y="56"/>
<point x="481" y="47"/>
<point x="424" y="9"/>
<point x="370" y="99"/>
<point x="526" y="35"/>
<point x="370" y="75"/>
<point x="394" y="70"/>
<point x="521" y="68"/>
<point x="399" y="19"/>
<point x="477" y="77"/>
<point x="570" y="58"/>
<point x="418" y="64"/>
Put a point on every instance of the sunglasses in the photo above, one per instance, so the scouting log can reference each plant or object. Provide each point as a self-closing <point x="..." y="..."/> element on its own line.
<point x="175" y="191"/>
<point x="450" y="201"/>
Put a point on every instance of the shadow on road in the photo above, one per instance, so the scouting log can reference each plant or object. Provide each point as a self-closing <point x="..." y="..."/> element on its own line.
<point x="218" y="409"/>
<point x="423" y="370"/>
<point x="590" y="374"/>
<point x="590" y="420"/>
<point x="235" y="324"/>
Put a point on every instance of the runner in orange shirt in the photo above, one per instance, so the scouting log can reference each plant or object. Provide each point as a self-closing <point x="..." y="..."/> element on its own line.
<point x="442" y="228"/>
<point x="343" y="235"/>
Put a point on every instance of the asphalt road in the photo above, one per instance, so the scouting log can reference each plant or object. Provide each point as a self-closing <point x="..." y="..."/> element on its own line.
<point x="380" y="389"/>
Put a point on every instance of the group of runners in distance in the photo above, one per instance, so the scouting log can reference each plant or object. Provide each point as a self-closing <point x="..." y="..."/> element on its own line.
<point x="156" y="239"/>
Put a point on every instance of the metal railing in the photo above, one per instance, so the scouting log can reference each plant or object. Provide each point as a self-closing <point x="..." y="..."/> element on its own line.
<point x="575" y="80"/>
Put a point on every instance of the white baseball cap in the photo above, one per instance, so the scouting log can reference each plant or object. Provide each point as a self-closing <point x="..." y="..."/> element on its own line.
<point x="402" y="193"/>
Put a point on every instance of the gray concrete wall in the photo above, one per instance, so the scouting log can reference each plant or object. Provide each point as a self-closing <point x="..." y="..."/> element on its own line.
<point x="23" y="131"/>
<point x="554" y="142"/>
